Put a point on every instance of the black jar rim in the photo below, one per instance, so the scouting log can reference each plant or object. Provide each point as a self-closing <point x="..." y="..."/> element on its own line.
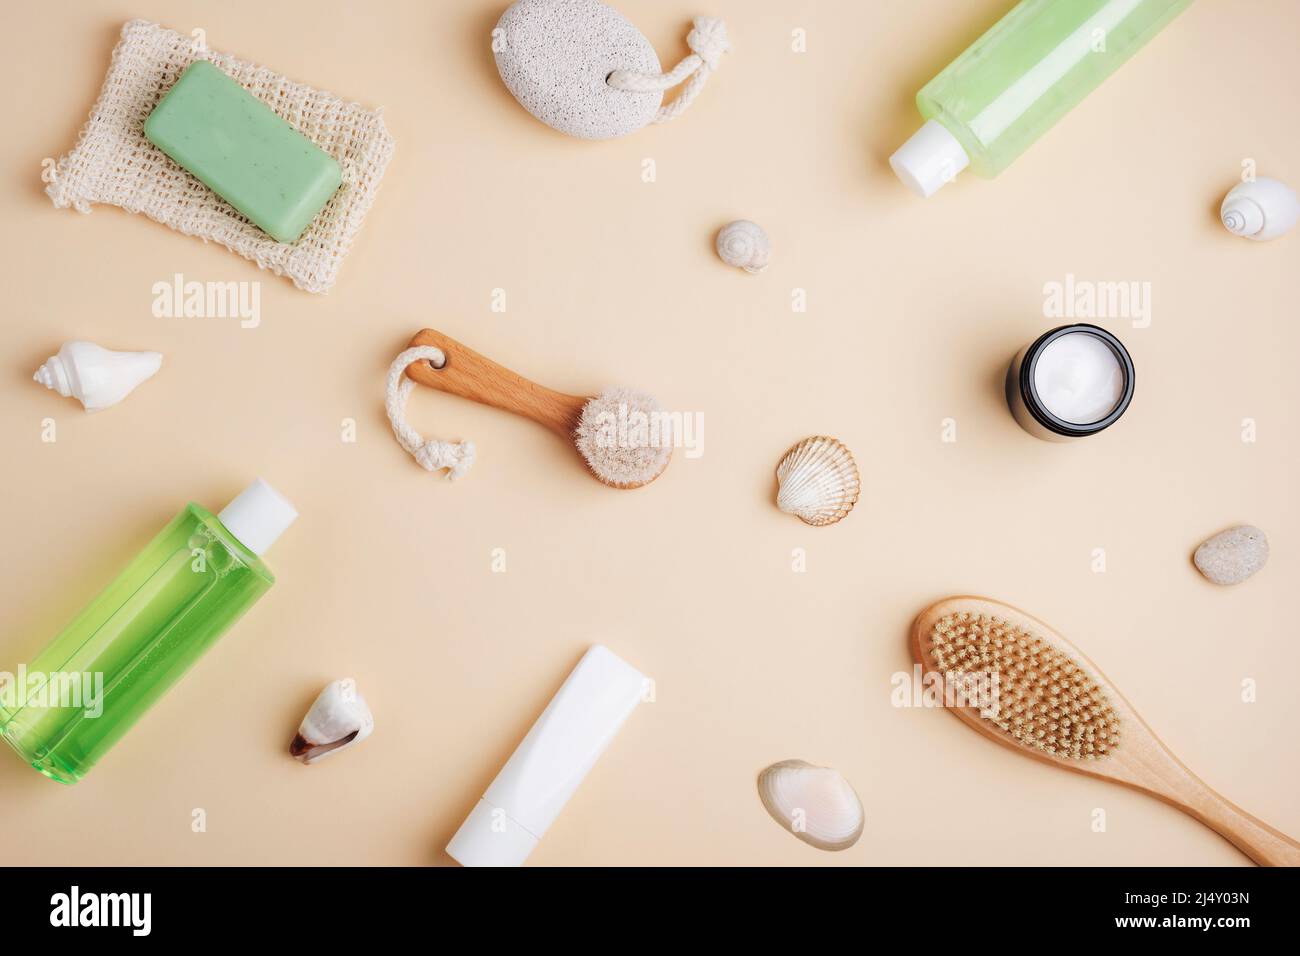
<point x="1035" y="406"/>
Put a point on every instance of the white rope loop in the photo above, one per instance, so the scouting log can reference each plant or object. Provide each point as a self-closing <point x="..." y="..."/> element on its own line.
<point x="433" y="455"/>
<point x="707" y="41"/>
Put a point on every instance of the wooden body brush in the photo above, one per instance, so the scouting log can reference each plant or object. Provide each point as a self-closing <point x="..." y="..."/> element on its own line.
<point x="597" y="427"/>
<point x="1054" y="705"/>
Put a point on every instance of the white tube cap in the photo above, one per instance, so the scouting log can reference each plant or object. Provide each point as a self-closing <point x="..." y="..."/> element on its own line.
<point x="488" y="837"/>
<point x="258" y="516"/>
<point x="931" y="158"/>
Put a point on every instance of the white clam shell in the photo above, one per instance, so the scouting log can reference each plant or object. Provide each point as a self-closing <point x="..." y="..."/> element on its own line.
<point x="818" y="481"/>
<point x="745" y="245"/>
<point x="555" y="56"/>
<point x="339" y="718"/>
<point x="95" y="376"/>
<point x="814" y="803"/>
<point x="1262" y="209"/>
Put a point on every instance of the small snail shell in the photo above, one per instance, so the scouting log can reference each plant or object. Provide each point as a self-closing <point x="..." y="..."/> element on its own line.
<point x="744" y="244"/>
<point x="1262" y="209"/>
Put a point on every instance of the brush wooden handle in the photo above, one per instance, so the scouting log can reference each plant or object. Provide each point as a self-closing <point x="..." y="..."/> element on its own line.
<point x="473" y="376"/>
<point x="1152" y="767"/>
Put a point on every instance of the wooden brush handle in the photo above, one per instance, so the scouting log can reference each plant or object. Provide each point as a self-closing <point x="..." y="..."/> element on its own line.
<point x="1252" y="836"/>
<point x="472" y="376"/>
<point x="1156" y="770"/>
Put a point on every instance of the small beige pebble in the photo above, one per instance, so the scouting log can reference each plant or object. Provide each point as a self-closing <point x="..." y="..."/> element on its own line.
<point x="1232" y="556"/>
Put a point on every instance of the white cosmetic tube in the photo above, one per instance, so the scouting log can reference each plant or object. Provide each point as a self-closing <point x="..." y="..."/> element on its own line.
<point x="546" y="768"/>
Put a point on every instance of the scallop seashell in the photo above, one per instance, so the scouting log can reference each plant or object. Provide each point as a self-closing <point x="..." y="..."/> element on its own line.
<point x="818" y="481"/>
<point x="95" y="376"/>
<point x="814" y="803"/>
<point x="339" y="718"/>
<point x="745" y="245"/>
<point x="1261" y="209"/>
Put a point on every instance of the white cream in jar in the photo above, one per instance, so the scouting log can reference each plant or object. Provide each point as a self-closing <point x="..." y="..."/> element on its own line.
<point x="1071" y="382"/>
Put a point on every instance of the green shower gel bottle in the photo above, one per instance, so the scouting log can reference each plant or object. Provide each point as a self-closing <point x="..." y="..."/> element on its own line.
<point x="1018" y="79"/>
<point x="64" y="710"/>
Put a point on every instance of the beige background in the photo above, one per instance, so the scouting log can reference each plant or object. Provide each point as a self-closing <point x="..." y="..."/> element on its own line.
<point x="914" y="309"/>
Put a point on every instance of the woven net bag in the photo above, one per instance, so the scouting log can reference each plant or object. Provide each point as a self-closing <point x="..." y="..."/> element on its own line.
<point x="113" y="163"/>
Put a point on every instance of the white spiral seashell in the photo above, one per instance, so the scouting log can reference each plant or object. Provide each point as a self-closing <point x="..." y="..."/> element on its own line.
<point x="817" y="481"/>
<point x="814" y="803"/>
<point x="1262" y="209"/>
<point x="744" y="244"/>
<point x="338" y="719"/>
<point x="95" y="376"/>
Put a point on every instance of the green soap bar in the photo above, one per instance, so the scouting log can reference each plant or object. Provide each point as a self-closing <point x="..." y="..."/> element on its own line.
<point x="243" y="152"/>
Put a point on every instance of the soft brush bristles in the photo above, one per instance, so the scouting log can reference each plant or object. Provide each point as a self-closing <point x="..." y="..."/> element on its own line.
<point x="1045" y="700"/>
<point x="625" y="437"/>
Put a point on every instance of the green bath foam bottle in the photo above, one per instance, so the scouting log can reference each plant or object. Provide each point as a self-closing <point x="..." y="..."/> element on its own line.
<point x="66" y="708"/>
<point x="1013" y="83"/>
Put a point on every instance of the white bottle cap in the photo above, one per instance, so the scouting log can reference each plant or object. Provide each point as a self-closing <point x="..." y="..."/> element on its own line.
<point x="932" y="157"/>
<point x="258" y="516"/>
<point x="488" y="837"/>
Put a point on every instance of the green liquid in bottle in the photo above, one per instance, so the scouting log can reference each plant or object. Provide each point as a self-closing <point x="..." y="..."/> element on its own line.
<point x="1018" y="79"/>
<point x="132" y="643"/>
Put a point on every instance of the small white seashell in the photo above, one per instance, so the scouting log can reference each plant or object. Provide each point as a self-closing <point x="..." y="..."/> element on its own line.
<point x="817" y="481"/>
<point x="339" y="718"/>
<point x="814" y="803"/>
<point x="744" y="244"/>
<point x="95" y="376"/>
<point x="1260" y="210"/>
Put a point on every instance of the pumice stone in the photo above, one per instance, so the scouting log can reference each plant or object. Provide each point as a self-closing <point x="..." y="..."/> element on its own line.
<point x="555" y="56"/>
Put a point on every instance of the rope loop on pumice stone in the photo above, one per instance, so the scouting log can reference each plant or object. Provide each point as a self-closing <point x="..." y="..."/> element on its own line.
<point x="708" y="41"/>
<point x="433" y="455"/>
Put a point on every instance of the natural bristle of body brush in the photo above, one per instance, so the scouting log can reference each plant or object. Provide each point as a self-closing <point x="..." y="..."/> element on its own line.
<point x="624" y="437"/>
<point x="1045" y="699"/>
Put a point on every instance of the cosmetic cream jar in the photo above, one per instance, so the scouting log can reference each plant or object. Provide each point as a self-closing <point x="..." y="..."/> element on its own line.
<point x="1069" y="383"/>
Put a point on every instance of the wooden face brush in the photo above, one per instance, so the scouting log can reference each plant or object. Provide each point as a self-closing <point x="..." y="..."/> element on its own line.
<point x="1051" y="703"/>
<point x="621" y="434"/>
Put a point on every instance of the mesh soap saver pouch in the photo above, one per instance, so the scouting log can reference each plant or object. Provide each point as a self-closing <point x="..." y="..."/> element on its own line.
<point x="113" y="163"/>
